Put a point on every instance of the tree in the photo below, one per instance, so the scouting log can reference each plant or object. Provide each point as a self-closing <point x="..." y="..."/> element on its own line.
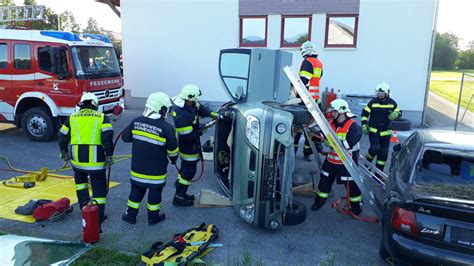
<point x="446" y="50"/>
<point x="92" y="26"/>
<point x="466" y="58"/>
<point x="68" y="22"/>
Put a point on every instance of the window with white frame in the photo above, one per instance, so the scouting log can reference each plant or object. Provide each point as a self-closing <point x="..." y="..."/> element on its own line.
<point x="341" y="30"/>
<point x="253" y="31"/>
<point x="295" y="30"/>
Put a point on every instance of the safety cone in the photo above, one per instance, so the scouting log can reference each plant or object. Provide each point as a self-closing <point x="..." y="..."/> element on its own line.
<point x="394" y="138"/>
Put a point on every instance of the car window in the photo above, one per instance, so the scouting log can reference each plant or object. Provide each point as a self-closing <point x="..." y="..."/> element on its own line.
<point x="445" y="166"/>
<point x="44" y="58"/>
<point x="22" y="56"/>
<point x="407" y="157"/>
<point x="234" y="69"/>
<point x="3" y="55"/>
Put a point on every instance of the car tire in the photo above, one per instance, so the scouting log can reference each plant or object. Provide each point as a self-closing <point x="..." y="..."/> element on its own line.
<point x="383" y="252"/>
<point x="294" y="214"/>
<point x="300" y="113"/>
<point x="38" y="124"/>
<point x="401" y="124"/>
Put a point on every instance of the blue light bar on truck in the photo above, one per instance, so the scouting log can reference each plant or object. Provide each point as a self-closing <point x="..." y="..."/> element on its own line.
<point x="61" y="35"/>
<point x="98" y="37"/>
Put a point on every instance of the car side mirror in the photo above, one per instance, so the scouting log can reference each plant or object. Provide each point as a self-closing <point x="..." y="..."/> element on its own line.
<point x="238" y="92"/>
<point x="59" y="66"/>
<point x="397" y="147"/>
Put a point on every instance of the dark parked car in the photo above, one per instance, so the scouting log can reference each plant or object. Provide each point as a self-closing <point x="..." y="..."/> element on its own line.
<point x="429" y="205"/>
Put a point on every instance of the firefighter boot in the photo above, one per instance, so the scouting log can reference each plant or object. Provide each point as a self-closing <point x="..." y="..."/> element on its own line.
<point x="185" y="195"/>
<point x="180" y="196"/>
<point x="356" y="208"/>
<point x="130" y="215"/>
<point x="318" y="203"/>
<point x="155" y="217"/>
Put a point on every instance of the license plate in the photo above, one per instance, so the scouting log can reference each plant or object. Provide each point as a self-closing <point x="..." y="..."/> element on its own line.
<point x="109" y="107"/>
<point x="462" y="236"/>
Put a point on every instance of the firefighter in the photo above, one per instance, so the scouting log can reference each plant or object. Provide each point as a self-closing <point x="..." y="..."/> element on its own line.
<point x="154" y="142"/>
<point x="311" y="72"/>
<point x="186" y="112"/>
<point x="349" y="133"/>
<point x="90" y="134"/>
<point x="376" y="117"/>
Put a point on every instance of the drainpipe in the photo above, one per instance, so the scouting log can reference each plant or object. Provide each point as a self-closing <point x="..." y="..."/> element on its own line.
<point x="433" y="40"/>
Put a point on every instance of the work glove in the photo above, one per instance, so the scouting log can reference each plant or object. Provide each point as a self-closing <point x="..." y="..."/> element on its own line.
<point x="109" y="161"/>
<point x="365" y="129"/>
<point x="393" y="115"/>
<point x="64" y="155"/>
<point x="214" y="115"/>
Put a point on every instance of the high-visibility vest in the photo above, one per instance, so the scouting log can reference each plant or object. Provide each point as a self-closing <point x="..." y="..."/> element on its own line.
<point x="341" y="133"/>
<point x="86" y="129"/>
<point x="314" y="81"/>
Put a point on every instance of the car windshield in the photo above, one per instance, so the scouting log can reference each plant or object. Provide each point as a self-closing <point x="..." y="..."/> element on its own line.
<point x="92" y="62"/>
<point x="449" y="170"/>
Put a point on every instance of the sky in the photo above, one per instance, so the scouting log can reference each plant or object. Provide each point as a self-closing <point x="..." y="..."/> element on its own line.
<point x="82" y="10"/>
<point x="455" y="16"/>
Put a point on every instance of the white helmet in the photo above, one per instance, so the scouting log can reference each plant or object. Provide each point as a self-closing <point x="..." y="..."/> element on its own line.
<point x="90" y="97"/>
<point x="341" y="106"/>
<point x="190" y="92"/>
<point x="383" y="88"/>
<point x="307" y="48"/>
<point x="158" y="102"/>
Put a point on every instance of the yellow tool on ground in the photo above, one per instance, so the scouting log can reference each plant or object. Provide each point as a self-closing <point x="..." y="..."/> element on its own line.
<point x="28" y="180"/>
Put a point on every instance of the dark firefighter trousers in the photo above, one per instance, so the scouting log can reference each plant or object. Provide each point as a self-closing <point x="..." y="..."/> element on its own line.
<point x="99" y="190"/>
<point x="379" y="146"/>
<point x="329" y="173"/>
<point x="307" y="148"/>
<point x="137" y="193"/>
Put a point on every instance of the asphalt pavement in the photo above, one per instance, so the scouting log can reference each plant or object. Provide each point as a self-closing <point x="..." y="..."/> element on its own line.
<point x="325" y="236"/>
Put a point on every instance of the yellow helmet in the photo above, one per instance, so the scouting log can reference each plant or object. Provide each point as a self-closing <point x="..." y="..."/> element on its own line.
<point x="190" y="92"/>
<point x="383" y="88"/>
<point x="307" y="48"/>
<point x="158" y="102"/>
<point x="88" y="96"/>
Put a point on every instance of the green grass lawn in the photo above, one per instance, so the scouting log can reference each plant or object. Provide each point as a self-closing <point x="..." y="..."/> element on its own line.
<point x="102" y="256"/>
<point x="449" y="89"/>
<point x="450" y="73"/>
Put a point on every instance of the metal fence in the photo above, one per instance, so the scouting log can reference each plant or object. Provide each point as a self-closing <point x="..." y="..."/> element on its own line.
<point x="465" y="107"/>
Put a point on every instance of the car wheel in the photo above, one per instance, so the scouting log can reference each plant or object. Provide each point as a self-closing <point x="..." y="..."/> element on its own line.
<point x="383" y="253"/>
<point x="38" y="124"/>
<point x="294" y="214"/>
<point x="401" y="124"/>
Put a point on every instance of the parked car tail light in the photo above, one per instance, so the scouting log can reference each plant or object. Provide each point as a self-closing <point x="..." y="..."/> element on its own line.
<point x="252" y="130"/>
<point x="404" y="221"/>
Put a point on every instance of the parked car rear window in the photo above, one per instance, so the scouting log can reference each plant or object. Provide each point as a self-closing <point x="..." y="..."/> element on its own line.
<point x="3" y="55"/>
<point x="446" y="166"/>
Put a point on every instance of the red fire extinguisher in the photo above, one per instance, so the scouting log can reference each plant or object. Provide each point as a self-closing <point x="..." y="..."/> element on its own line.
<point x="331" y="96"/>
<point x="90" y="223"/>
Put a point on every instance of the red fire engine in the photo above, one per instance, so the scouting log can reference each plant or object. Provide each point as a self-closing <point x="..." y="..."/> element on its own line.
<point x="43" y="74"/>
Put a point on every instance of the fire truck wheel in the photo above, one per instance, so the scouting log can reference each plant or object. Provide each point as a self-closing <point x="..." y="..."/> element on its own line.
<point x="38" y="124"/>
<point x="294" y="214"/>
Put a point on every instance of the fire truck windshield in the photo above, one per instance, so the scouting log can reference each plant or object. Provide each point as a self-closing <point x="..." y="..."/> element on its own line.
<point x="91" y="62"/>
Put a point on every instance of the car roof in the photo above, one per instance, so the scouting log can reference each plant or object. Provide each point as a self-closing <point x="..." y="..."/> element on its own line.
<point x="448" y="139"/>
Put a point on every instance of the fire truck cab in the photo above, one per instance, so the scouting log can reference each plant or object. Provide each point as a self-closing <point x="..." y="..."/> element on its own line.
<point x="43" y="75"/>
